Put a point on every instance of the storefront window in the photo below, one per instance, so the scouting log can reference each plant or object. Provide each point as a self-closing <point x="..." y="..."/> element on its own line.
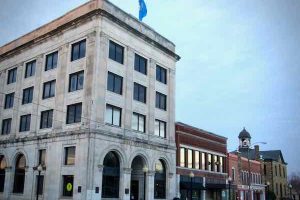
<point x="209" y="162"/>
<point x="182" y="157"/>
<point x="197" y="160"/>
<point x="190" y="158"/>
<point x="203" y="161"/>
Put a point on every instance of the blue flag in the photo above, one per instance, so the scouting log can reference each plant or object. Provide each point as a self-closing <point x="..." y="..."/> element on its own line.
<point x="143" y="10"/>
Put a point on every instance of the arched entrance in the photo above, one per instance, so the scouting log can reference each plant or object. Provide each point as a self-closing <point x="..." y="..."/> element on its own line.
<point x="138" y="178"/>
<point x="111" y="176"/>
<point x="160" y="180"/>
<point x="19" y="178"/>
<point x="2" y="172"/>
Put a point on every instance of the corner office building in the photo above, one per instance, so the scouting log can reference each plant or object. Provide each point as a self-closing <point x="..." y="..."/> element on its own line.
<point x="90" y="98"/>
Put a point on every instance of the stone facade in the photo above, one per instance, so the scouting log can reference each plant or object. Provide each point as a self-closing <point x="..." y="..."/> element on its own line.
<point x="98" y="22"/>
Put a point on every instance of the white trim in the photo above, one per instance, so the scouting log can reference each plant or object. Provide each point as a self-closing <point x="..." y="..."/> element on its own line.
<point x="203" y="150"/>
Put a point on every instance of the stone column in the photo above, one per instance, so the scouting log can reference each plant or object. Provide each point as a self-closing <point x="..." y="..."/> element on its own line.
<point x="97" y="183"/>
<point x="8" y="182"/>
<point x="151" y="97"/>
<point x="177" y="185"/>
<point x="125" y="183"/>
<point x="150" y="185"/>
<point x="171" y="182"/>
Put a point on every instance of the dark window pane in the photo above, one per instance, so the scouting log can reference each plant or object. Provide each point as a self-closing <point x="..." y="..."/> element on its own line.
<point x="2" y="172"/>
<point x="42" y="156"/>
<point x="30" y="69"/>
<point x="68" y="186"/>
<point x="19" y="176"/>
<point x="78" y="50"/>
<point x="25" y="123"/>
<point x="140" y="64"/>
<point x="111" y="176"/>
<point x="76" y="81"/>
<point x="51" y="61"/>
<point x="116" y="52"/>
<point x="9" y="100"/>
<point x="161" y="74"/>
<point x="160" y="128"/>
<point x="46" y="119"/>
<point x="114" y="83"/>
<point x="74" y="113"/>
<point x="12" y="75"/>
<point x="6" y="126"/>
<point x="40" y="184"/>
<point x="139" y="93"/>
<point x="161" y="101"/>
<point x="70" y="155"/>
<point x="118" y="85"/>
<point x="113" y="115"/>
<point x="27" y="95"/>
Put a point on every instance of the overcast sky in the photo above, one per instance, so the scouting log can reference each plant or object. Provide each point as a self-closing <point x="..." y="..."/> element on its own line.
<point x="239" y="67"/>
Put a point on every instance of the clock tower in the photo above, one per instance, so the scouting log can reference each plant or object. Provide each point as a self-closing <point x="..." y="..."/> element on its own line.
<point x="244" y="139"/>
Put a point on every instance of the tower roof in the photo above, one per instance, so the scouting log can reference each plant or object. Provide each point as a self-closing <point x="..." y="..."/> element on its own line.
<point x="244" y="134"/>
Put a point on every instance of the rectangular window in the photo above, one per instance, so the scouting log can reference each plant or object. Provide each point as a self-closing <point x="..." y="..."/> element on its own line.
<point x="215" y="163"/>
<point x="40" y="182"/>
<point x="209" y="158"/>
<point x="233" y="174"/>
<point x="140" y="64"/>
<point x="196" y="159"/>
<point x="160" y="128"/>
<point x="12" y="76"/>
<point x="182" y="157"/>
<point x="113" y="115"/>
<point x="139" y="93"/>
<point x="68" y="185"/>
<point x="74" y="113"/>
<point x="190" y="158"/>
<point x="76" y="81"/>
<point x="116" y="52"/>
<point x="161" y="101"/>
<point x="46" y="119"/>
<point x="25" y="123"/>
<point x="9" y="100"/>
<point x="49" y="89"/>
<point x="70" y="155"/>
<point x="161" y="74"/>
<point x="78" y="50"/>
<point x="42" y="157"/>
<point x="138" y="122"/>
<point x="203" y="163"/>
<point x="30" y="69"/>
<point x="221" y="164"/>
<point x="6" y="126"/>
<point x="27" y="95"/>
<point x="51" y="61"/>
<point x="114" y="83"/>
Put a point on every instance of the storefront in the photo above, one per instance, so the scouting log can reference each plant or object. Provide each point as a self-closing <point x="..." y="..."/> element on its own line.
<point x="188" y="184"/>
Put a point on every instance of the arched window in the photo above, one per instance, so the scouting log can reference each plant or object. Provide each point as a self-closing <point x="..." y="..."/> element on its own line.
<point x="160" y="180"/>
<point x="2" y="172"/>
<point x="111" y="176"/>
<point x="19" y="174"/>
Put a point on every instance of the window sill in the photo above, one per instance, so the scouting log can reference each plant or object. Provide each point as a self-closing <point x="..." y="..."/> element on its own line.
<point x="115" y="126"/>
<point x="49" y="70"/>
<point x="48" y="98"/>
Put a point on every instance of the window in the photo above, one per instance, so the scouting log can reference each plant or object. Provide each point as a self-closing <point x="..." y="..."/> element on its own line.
<point x="40" y="182"/>
<point x="140" y="64"/>
<point x="265" y="169"/>
<point x="138" y="122"/>
<point x="215" y="163"/>
<point x="111" y="176"/>
<point x="74" y="113"/>
<point x="12" y="76"/>
<point x="49" y="89"/>
<point x="280" y="170"/>
<point x="160" y="128"/>
<point x="76" y="81"/>
<point x="114" y="83"/>
<point x="275" y="170"/>
<point x="19" y="178"/>
<point x="51" y="61"/>
<point x="27" y="95"/>
<point x="196" y="159"/>
<point x="70" y="155"/>
<point x="182" y="157"/>
<point x="221" y="164"/>
<point x="46" y="119"/>
<point x="233" y="174"/>
<point x="139" y="93"/>
<point x="2" y="172"/>
<point x="203" y="161"/>
<point x="113" y="115"/>
<point x="161" y="101"/>
<point x="68" y="185"/>
<point x="25" y="123"/>
<point x="116" y="52"/>
<point x="30" y="69"/>
<point x="42" y="157"/>
<point x="161" y="74"/>
<point x="9" y="100"/>
<point x="190" y="158"/>
<point x="78" y="50"/>
<point x="160" y="180"/>
<point x="6" y="126"/>
<point x="209" y="162"/>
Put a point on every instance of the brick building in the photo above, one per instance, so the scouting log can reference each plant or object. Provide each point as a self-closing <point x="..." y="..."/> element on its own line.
<point x="238" y="171"/>
<point x="201" y="163"/>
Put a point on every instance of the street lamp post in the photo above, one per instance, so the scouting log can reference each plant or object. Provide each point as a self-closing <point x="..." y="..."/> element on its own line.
<point x="229" y="181"/>
<point x="191" y="185"/>
<point x="39" y="168"/>
<point x="249" y="168"/>
<point x="268" y="187"/>
<point x="145" y="170"/>
<point x="290" y="187"/>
